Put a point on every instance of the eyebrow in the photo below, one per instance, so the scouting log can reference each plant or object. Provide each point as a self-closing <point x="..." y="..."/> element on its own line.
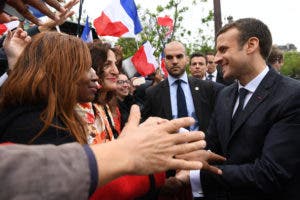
<point x="178" y="56"/>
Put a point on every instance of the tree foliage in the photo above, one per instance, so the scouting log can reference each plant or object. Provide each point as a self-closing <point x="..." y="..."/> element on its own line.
<point x="291" y="65"/>
<point x="156" y="34"/>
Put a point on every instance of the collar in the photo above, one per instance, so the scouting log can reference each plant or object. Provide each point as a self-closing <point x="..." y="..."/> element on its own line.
<point x="172" y="79"/>
<point x="215" y="73"/>
<point x="253" y="84"/>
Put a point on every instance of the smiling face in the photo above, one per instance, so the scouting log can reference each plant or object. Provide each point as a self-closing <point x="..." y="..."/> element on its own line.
<point x="198" y="67"/>
<point x="110" y="72"/>
<point x="87" y="86"/>
<point x="231" y="56"/>
<point x="123" y="85"/>
<point x="176" y="59"/>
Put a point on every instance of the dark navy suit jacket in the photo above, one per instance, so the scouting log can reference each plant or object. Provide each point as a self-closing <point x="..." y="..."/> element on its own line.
<point x="158" y="102"/>
<point x="263" y="147"/>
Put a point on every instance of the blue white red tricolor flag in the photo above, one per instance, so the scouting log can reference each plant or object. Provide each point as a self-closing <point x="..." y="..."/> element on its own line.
<point x="144" y="61"/>
<point x="8" y="26"/>
<point x="163" y="64"/>
<point x="86" y="35"/>
<point x="119" y="19"/>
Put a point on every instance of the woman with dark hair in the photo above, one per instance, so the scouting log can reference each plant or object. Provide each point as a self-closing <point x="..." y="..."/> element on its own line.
<point x="38" y="99"/>
<point x="99" y="116"/>
<point x="102" y="128"/>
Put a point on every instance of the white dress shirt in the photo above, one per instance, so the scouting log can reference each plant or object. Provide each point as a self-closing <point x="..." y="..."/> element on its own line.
<point x="214" y="76"/>
<point x="188" y="97"/>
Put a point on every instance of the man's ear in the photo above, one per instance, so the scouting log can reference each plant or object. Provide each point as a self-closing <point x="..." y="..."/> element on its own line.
<point x="252" y="45"/>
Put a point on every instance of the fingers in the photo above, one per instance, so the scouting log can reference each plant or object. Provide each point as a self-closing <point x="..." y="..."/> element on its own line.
<point x="56" y="5"/>
<point x="134" y="117"/>
<point x="215" y="157"/>
<point x="205" y="157"/>
<point x="186" y="137"/>
<point x="4" y="18"/>
<point x="23" y="10"/>
<point x="41" y="6"/>
<point x="211" y="168"/>
<point x="70" y="4"/>
<point x="152" y="121"/>
<point x="19" y="33"/>
<point x="184" y="165"/>
<point x="7" y="39"/>
<point x="174" y="125"/>
<point x="194" y="144"/>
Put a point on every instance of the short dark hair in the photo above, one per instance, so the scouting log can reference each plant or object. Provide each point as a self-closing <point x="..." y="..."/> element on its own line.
<point x="275" y="55"/>
<point x="251" y="27"/>
<point x="197" y="54"/>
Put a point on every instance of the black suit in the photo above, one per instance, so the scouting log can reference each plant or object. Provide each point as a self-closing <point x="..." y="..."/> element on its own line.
<point x="263" y="148"/>
<point x="158" y="102"/>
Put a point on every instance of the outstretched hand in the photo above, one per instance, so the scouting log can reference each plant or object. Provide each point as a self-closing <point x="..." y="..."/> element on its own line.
<point x="62" y="17"/>
<point x="14" y="45"/>
<point x="206" y="157"/>
<point x="22" y="8"/>
<point x="152" y="146"/>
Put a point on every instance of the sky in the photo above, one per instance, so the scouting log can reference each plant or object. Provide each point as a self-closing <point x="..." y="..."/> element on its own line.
<point x="280" y="16"/>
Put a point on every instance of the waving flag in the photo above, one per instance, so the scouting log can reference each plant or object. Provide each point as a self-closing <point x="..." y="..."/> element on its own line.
<point x="166" y="21"/>
<point x="119" y="19"/>
<point x="86" y="35"/>
<point x="144" y="60"/>
<point x="8" y="26"/>
<point x="163" y="64"/>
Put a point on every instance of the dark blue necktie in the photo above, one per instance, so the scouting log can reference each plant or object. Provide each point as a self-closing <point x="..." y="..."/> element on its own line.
<point x="209" y="77"/>
<point x="242" y="94"/>
<point x="181" y="103"/>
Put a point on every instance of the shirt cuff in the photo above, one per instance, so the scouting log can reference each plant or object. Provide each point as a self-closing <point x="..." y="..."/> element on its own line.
<point x="93" y="169"/>
<point x="3" y="78"/>
<point x="196" y="183"/>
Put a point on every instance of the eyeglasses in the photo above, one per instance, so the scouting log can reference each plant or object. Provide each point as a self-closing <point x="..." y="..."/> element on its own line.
<point x="210" y="62"/>
<point x="170" y="57"/>
<point x="122" y="82"/>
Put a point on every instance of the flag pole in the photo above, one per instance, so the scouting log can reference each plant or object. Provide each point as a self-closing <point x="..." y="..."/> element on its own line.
<point x="79" y="18"/>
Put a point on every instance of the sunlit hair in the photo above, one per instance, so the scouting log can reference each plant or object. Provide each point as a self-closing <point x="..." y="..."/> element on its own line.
<point x="47" y="73"/>
<point x="98" y="51"/>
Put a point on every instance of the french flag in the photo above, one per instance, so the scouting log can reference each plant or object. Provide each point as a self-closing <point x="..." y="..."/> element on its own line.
<point x="144" y="61"/>
<point x="163" y="64"/>
<point x="8" y="26"/>
<point x="86" y="35"/>
<point x="167" y="22"/>
<point x="119" y="19"/>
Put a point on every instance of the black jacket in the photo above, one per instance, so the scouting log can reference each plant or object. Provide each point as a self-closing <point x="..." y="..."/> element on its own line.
<point x="22" y="123"/>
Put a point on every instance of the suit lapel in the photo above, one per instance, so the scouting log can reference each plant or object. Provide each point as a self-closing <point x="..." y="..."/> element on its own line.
<point x="166" y="100"/>
<point x="229" y="102"/>
<point x="196" y="99"/>
<point x="257" y="98"/>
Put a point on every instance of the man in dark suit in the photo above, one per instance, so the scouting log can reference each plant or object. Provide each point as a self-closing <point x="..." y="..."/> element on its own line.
<point x="198" y="65"/>
<point x="214" y="71"/>
<point x="257" y="127"/>
<point x="199" y="95"/>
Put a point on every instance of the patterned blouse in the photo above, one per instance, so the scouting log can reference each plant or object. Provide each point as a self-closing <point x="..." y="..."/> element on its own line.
<point x="98" y="125"/>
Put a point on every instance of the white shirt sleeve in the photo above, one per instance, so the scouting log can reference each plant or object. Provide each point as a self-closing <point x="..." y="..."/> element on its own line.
<point x="196" y="183"/>
<point x="3" y="78"/>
